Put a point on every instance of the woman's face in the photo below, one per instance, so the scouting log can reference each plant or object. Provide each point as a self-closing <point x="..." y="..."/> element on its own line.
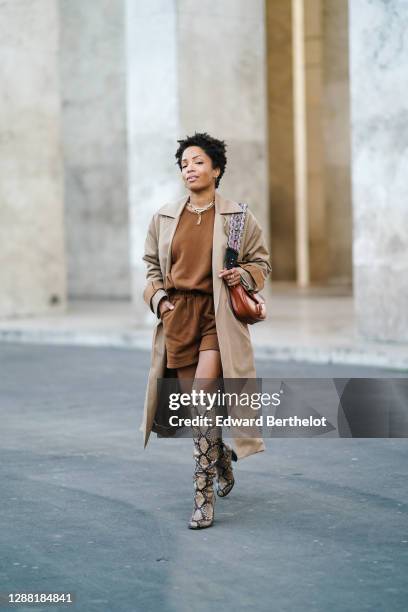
<point x="197" y="170"/>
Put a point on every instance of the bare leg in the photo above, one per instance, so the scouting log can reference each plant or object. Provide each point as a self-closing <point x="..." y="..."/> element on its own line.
<point x="209" y="364"/>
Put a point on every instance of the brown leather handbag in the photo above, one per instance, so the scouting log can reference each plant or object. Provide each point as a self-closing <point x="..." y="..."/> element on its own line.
<point x="248" y="306"/>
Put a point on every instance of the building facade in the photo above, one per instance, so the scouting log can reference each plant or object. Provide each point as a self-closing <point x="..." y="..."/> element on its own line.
<point x="308" y="94"/>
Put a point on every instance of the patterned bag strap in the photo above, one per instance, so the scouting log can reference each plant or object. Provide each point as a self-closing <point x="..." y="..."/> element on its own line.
<point x="236" y="228"/>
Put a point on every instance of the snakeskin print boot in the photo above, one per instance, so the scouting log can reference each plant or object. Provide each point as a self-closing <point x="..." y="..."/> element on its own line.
<point x="225" y="475"/>
<point x="206" y="454"/>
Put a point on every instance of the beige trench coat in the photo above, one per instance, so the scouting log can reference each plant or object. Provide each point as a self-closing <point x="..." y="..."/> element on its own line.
<point x="233" y="336"/>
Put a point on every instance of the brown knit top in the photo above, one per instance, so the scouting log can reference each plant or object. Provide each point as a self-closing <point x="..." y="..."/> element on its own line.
<point x="191" y="252"/>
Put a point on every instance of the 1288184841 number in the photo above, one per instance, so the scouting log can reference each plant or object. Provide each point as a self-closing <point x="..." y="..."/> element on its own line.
<point x="35" y="598"/>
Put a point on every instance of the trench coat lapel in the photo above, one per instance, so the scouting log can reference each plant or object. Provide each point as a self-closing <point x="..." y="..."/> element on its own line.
<point x="171" y="213"/>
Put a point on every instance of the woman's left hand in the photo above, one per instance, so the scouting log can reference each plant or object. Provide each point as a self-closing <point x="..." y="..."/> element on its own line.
<point x="231" y="276"/>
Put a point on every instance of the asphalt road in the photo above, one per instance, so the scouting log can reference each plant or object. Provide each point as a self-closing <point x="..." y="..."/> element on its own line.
<point x="312" y="525"/>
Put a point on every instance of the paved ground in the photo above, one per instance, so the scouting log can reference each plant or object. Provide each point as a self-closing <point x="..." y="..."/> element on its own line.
<point x="312" y="525"/>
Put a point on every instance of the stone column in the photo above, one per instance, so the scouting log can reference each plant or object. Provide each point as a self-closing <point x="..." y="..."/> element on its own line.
<point x="336" y="132"/>
<point x="314" y="104"/>
<point x="193" y="66"/>
<point x="32" y="261"/>
<point x="296" y="160"/>
<point x="379" y="121"/>
<point x="153" y="124"/>
<point x="281" y="128"/>
<point x="93" y="83"/>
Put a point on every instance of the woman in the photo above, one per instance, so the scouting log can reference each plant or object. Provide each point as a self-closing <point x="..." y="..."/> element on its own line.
<point x="197" y="336"/>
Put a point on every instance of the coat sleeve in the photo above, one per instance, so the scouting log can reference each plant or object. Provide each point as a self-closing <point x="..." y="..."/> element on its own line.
<point x="154" y="290"/>
<point x="255" y="264"/>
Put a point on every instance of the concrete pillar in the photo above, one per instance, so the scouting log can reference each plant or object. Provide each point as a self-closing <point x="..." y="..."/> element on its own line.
<point x="309" y="147"/>
<point x="93" y="82"/>
<point x="379" y="91"/>
<point x="296" y="160"/>
<point x="281" y="137"/>
<point x="194" y="66"/>
<point x="316" y="201"/>
<point x="32" y="261"/>
<point x="153" y="124"/>
<point x="336" y="134"/>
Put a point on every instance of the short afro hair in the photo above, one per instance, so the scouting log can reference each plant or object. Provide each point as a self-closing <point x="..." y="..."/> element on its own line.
<point x="214" y="148"/>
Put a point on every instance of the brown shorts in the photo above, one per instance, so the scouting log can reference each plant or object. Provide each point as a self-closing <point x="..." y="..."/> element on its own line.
<point x="189" y="328"/>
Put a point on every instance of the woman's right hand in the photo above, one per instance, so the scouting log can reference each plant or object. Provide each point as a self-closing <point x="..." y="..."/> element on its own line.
<point x="165" y="305"/>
